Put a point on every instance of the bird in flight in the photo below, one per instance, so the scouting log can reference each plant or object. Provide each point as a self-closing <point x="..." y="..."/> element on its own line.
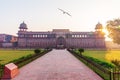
<point x="64" y="12"/>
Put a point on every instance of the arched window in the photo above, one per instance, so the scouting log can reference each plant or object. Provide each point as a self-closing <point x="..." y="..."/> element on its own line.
<point x="38" y="35"/>
<point x="82" y="35"/>
<point x="72" y="35"/>
<point x="79" y="35"/>
<point x="85" y="35"/>
<point x="33" y="35"/>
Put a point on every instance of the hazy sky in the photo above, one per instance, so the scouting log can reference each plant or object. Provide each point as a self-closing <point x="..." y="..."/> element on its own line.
<point x="43" y="15"/>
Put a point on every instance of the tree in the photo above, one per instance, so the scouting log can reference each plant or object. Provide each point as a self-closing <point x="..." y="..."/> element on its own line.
<point x="116" y="62"/>
<point x="81" y="50"/>
<point x="113" y="27"/>
<point x="37" y="51"/>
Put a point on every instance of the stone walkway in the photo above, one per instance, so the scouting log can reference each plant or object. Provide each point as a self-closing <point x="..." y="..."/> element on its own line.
<point x="56" y="65"/>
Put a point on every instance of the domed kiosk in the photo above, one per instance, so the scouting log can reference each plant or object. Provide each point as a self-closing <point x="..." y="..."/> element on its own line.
<point x="23" y="27"/>
<point x="99" y="27"/>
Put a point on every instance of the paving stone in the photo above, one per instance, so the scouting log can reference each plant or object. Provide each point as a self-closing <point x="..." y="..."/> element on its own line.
<point x="57" y="65"/>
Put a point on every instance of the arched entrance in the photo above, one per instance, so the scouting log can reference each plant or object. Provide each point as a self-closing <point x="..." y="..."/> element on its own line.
<point x="60" y="44"/>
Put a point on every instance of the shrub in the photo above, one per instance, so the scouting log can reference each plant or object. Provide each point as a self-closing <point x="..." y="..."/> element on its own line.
<point x="47" y="48"/>
<point x="72" y="48"/>
<point x="102" y="63"/>
<point x="37" y="51"/>
<point x="116" y="62"/>
<point x="81" y="50"/>
<point x="21" y="59"/>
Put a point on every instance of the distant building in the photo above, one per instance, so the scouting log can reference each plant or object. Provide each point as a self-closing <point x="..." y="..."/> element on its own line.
<point x="60" y="38"/>
<point x="7" y="40"/>
<point x="2" y="37"/>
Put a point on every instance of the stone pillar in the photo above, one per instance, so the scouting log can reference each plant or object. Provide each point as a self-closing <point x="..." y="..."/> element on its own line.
<point x="10" y="71"/>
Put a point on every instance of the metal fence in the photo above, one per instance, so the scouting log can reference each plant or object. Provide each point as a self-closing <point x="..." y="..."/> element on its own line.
<point x="115" y="74"/>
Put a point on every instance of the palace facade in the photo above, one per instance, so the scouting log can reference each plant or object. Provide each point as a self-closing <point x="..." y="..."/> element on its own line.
<point x="60" y="38"/>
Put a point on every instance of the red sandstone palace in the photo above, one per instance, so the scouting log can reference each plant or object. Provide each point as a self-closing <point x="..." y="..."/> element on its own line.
<point x="60" y="38"/>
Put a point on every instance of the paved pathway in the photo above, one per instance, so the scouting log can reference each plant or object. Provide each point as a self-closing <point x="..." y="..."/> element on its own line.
<point x="56" y="65"/>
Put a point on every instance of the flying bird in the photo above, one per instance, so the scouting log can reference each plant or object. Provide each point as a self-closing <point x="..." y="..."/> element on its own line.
<point x="64" y="12"/>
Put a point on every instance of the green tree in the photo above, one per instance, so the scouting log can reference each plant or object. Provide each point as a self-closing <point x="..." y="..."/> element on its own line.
<point x="116" y="62"/>
<point x="37" y="51"/>
<point x="81" y="50"/>
<point x="113" y="27"/>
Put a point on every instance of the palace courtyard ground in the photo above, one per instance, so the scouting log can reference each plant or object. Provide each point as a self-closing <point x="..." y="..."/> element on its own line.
<point x="56" y="65"/>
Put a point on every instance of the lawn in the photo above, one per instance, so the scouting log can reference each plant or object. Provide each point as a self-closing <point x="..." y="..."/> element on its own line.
<point x="103" y="58"/>
<point x="9" y="55"/>
<point x="103" y="54"/>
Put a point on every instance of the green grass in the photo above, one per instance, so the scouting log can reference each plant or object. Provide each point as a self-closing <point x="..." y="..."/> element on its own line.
<point x="103" y="58"/>
<point x="99" y="56"/>
<point x="9" y="55"/>
<point x="103" y="55"/>
<point x="96" y="54"/>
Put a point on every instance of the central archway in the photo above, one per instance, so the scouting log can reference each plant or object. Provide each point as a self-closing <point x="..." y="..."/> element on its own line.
<point x="60" y="43"/>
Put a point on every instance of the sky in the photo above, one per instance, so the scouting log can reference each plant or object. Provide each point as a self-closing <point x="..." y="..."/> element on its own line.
<point x="43" y="15"/>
